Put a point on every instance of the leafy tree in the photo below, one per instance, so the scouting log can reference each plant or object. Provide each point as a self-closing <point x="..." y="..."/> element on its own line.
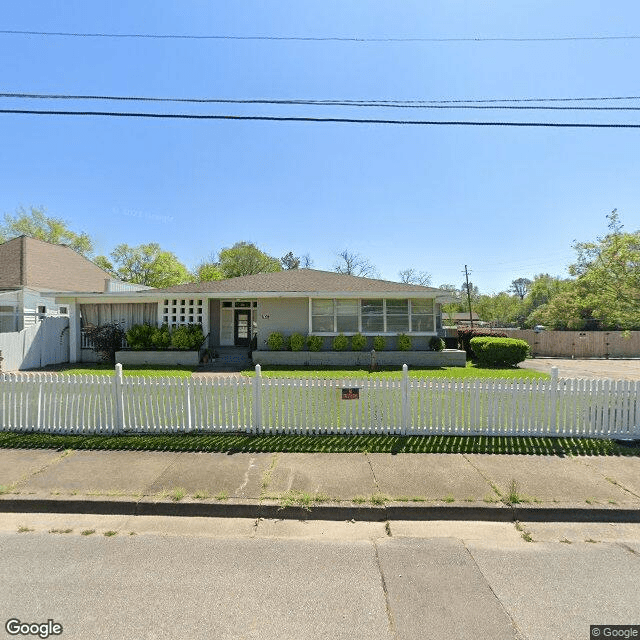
<point x="500" y="309"/>
<point x="520" y="287"/>
<point x="353" y="264"/>
<point x="245" y="259"/>
<point x="413" y="276"/>
<point x="36" y="224"/>
<point x="608" y="276"/>
<point x="208" y="271"/>
<point x="145" y="264"/>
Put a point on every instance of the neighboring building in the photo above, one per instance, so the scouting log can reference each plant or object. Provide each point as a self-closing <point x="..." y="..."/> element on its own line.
<point x="32" y="272"/>
<point x="233" y="312"/>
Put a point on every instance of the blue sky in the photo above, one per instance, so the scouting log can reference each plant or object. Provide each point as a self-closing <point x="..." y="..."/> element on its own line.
<point x="508" y="202"/>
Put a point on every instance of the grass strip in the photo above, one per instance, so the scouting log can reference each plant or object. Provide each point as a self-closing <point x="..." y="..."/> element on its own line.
<point x="226" y="442"/>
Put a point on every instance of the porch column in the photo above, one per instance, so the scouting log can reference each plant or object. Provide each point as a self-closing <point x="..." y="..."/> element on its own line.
<point x="74" y="332"/>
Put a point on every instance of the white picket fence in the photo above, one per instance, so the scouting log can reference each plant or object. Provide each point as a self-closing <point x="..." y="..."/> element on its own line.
<point x="55" y="403"/>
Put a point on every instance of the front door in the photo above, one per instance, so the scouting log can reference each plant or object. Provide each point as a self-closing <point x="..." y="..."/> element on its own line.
<point x="242" y="327"/>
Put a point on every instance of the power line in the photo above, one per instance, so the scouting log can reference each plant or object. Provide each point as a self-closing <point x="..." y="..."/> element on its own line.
<point x="158" y="36"/>
<point x="411" y="104"/>
<point x="190" y="116"/>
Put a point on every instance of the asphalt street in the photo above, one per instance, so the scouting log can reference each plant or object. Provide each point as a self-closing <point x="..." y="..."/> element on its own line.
<point x="156" y="577"/>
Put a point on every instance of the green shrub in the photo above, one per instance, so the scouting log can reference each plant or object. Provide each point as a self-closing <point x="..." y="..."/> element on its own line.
<point x="187" y="337"/>
<point x="403" y="342"/>
<point x="314" y="343"/>
<point x="499" y="352"/>
<point x="161" y="337"/>
<point x="140" y="337"/>
<point x="436" y="344"/>
<point x="106" y="339"/>
<point x="275" y="341"/>
<point x="358" y="342"/>
<point x="297" y="342"/>
<point x="379" y="343"/>
<point x="340" y="342"/>
<point x="465" y="334"/>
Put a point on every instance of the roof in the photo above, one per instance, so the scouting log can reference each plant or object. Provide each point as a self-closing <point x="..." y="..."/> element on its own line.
<point x="43" y="266"/>
<point x="298" y="281"/>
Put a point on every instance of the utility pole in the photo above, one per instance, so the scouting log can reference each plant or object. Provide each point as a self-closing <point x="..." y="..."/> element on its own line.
<point x="466" y="275"/>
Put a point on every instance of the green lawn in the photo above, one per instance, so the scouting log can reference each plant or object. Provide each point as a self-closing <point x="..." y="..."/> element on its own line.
<point x="229" y="442"/>
<point x="471" y="371"/>
<point x="159" y="371"/>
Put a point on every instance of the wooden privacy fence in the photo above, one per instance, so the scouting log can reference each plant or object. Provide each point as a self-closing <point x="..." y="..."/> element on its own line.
<point x="581" y="344"/>
<point x="91" y="404"/>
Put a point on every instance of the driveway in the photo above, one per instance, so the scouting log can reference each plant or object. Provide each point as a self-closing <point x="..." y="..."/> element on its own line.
<point x="617" y="369"/>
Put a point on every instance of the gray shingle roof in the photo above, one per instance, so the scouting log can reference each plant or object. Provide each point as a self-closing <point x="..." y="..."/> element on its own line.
<point x="298" y="281"/>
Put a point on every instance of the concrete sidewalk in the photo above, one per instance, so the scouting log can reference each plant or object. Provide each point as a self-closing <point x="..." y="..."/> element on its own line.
<point x="343" y="486"/>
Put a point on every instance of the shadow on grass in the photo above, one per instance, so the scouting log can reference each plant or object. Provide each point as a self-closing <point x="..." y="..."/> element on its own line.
<point x="239" y="443"/>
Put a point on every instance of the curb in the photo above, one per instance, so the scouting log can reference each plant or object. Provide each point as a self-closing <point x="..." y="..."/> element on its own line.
<point x="363" y="513"/>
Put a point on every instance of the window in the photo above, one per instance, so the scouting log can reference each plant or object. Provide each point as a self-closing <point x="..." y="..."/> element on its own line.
<point x="63" y="311"/>
<point x="422" y="315"/>
<point x="42" y="309"/>
<point x="398" y="315"/>
<point x="322" y="316"/>
<point x="347" y="316"/>
<point x="372" y="315"/>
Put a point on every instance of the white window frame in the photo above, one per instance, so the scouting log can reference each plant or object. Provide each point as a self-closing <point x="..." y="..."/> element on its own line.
<point x="335" y="332"/>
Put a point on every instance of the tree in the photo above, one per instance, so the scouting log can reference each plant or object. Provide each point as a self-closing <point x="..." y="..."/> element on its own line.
<point x="608" y="276"/>
<point x="207" y="272"/>
<point x="520" y="287"/>
<point x="245" y="259"/>
<point x="290" y="261"/>
<point x="412" y="276"/>
<point x="353" y="264"/>
<point x="145" y="264"/>
<point x="500" y="309"/>
<point x="36" y="224"/>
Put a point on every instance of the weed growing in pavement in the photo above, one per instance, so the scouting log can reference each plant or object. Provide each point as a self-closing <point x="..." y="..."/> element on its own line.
<point x="177" y="494"/>
<point x="379" y="499"/>
<point x="448" y="498"/>
<point x="565" y="541"/>
<point x="591" y="540"/>
<point x="387" y="528"/>
<point x="525" y="535"/>
<point x="109" y="534"/>
<point x="201" y="495"/>
<point x="87" y="532"/>
<point x="23" y="529"/>
<point x="223" y="495"/>
<point x="60" y="530"/>
<point x="358" y="500"/>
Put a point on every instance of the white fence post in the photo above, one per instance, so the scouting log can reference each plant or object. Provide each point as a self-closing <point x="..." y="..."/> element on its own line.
<point x="257" y="401"/>
<point x="553" y="394"/>
<point x="119" y="399"/>
<point x="404" y="389"/>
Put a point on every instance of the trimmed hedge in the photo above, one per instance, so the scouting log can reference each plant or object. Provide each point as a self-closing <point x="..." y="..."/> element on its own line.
<point x="436" y="344"/>
<point x="465" y="336"/>
<point x="497" y="352"/>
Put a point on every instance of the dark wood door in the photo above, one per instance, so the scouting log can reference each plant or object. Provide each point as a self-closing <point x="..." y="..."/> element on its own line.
<point x="242" y="328"/>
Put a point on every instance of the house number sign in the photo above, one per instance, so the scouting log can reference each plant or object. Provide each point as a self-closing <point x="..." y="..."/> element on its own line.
<point x="351" y="394"/>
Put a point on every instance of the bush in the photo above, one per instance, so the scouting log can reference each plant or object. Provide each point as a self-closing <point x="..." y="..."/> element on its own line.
<point x="340" y="342"/>
<point x="314" y="343"/>
<point x="187" y="337"/>
<point x="140" y="337"/>
<point x="161" y="338"/>
<point x="403" y="342"/>
<point x="436" y="344"/>
<point x="465" y="336"/>
<point x="499" y="352"/>
<point x="106" y="339"/>
<point x="275" y="341"/>
<point x="379" y="343"/>
<point x="358" y="342"/>
<point x="297" y="342"/>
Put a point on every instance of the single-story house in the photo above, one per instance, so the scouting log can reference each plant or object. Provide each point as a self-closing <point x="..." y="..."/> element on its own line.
<point x="246" y="309"/>
<point x="33" y="272"/>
